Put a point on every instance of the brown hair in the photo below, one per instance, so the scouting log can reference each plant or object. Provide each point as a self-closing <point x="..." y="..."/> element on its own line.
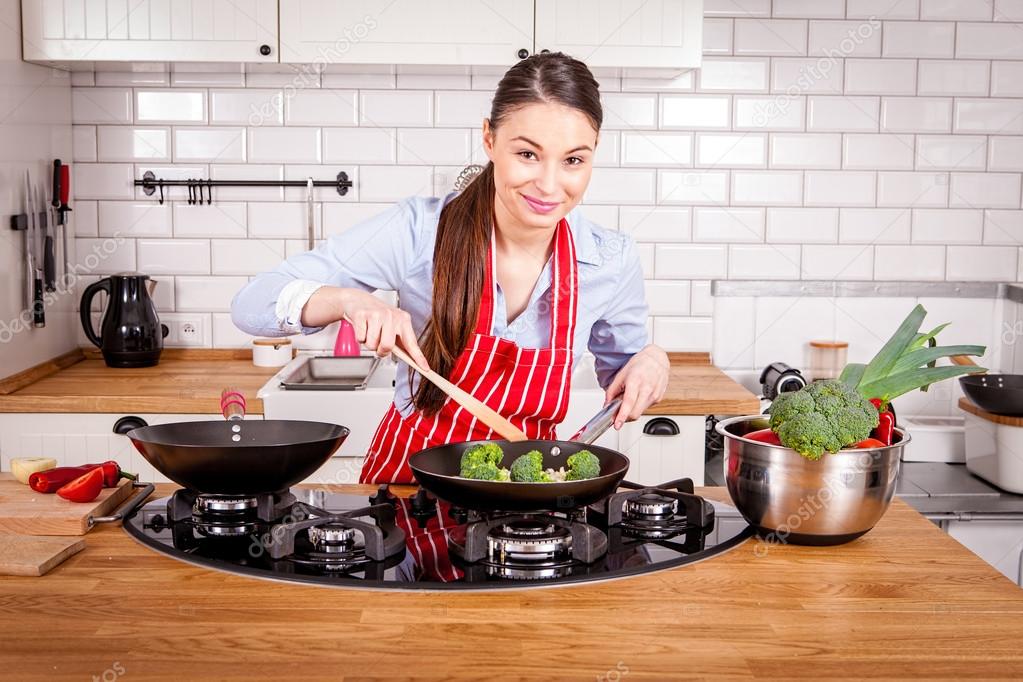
<point x="463" y="232"/>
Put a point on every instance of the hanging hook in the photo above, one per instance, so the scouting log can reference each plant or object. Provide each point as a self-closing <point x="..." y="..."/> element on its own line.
<point x="161" y="191"/>
<point x="191" y="191"/>
<point x="209" y="191"/>
<point x="198" y="187"/>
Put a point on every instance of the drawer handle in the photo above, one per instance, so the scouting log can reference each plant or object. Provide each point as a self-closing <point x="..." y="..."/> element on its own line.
<point x="127" y="423"/>
<point x="661" y="426"/>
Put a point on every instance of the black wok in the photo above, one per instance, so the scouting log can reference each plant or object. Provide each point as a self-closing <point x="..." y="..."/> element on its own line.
<point x="235" y="457"/>
<point x="995" y="393"/>
<point x="269" y="456"/>
<point x="437" y="469"/>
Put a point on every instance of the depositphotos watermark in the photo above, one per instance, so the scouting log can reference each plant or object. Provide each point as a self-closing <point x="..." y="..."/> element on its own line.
<point x="808" y="75"/>
<point x="63" y="286"/>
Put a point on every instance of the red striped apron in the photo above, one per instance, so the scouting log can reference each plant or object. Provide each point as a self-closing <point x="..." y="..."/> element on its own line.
<point x="528" y="386"/>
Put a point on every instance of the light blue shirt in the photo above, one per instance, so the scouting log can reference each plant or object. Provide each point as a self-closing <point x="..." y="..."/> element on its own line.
<point x="393" y="251"/>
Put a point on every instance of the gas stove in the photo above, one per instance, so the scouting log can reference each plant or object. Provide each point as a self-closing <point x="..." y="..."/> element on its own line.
<point x="388" y="542"/>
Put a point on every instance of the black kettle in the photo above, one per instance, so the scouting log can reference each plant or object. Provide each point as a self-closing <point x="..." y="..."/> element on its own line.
<point x="130" y="334"/>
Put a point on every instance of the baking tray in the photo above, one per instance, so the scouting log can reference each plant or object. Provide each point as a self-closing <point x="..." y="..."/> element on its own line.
<point x="329" y="373"/>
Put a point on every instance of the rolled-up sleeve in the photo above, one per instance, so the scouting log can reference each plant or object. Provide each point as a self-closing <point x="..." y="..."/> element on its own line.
<point x="621" y="331"/>
<point x="374" y="254"/>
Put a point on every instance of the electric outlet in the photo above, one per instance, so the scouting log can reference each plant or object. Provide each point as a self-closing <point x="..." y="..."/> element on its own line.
<point x="190" y="332"/>
<point x="184" y="329"/>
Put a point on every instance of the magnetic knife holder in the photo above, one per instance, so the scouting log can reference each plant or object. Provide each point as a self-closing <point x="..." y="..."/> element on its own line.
<point x="150" y="184"/>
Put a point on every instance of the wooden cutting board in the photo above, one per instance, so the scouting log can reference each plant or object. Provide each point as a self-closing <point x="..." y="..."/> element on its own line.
<point x="23" y="510"/>
<point x="34" y="556"/>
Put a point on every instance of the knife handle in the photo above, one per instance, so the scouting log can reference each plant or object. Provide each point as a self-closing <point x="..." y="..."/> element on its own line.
<point x="65" y="186"/>
<point x="38" y="314"/>
<point x="49" y="264"/>
<point x="55" y="202"/>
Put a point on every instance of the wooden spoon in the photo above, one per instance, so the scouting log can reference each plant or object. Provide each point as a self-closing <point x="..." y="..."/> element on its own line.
<point x="502" y="426"/>
<point x="965" y="361"/>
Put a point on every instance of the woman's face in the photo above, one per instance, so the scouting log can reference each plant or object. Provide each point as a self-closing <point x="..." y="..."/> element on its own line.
<point x="543" y="158"/>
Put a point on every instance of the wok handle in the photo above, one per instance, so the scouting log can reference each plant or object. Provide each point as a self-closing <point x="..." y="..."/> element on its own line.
<point x="128" y="507"/>
<point x="593" y="429"/>
<point x="232" y="404"/>
<point x="965" y="361"/>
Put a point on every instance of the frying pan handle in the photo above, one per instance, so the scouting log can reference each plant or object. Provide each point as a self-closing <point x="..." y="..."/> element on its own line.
<point x="593" y="429"/>
<point x="232" y="404"/>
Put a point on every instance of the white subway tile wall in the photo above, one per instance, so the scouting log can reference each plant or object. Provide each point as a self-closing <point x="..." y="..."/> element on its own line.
<point x="820" y="139"/>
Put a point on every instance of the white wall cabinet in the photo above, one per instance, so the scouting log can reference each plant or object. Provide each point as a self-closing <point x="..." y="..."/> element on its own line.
<point x="406" y="31"/>
<point x="150" y="30"/>
<point x="651" y="34"/>
<point x="623" y="33"/>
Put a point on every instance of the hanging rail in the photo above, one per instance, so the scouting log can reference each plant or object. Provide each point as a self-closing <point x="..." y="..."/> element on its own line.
<point x="150" y="183"/>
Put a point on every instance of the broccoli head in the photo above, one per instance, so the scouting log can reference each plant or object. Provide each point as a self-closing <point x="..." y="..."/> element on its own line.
<point x="487" y="472"/>
<point x="479" y="456"/>
<point x="528" y="468"/>
<point x="823" y="416"/>
<point x="582" y="465"/>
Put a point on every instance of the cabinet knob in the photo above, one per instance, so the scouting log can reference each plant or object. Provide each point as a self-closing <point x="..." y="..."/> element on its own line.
<point x="661" y="426"/>
<point x="264" y="50"/>
<point x="523" y="53"/>
<point x="127" y="423"/>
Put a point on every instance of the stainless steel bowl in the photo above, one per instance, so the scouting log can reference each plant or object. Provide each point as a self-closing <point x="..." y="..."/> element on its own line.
<point x="791" y="499"/>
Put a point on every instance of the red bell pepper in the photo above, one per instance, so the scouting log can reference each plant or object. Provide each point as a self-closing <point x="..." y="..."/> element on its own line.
<point x="50" y="480"/>
<point x="886" y="422"/>
<point x="866" y="443"/>
<point x="85" y="488"/>
<point x="764" y="436"/>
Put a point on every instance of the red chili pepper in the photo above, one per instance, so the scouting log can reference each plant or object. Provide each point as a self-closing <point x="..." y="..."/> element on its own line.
<point x="764" y="436"/>
<point x="886" y="422"/>
<point x="85" y="488"/>
<point x="50" y="480"/>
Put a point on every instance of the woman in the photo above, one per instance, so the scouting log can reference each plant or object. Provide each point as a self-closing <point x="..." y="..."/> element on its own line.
<point x="501" y="287"/>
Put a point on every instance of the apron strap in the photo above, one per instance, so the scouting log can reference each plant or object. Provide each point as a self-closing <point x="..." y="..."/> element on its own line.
<point x="564" y="288"/>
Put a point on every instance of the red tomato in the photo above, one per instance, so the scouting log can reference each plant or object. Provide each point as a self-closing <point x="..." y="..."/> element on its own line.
<point x="85" y="488"/>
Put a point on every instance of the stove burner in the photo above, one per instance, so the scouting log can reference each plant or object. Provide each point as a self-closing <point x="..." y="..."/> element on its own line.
<point x="210" y="504"/>
<point x="332" y="539"/>
<point x="651" y="505"/>
<point x="528" y="541"/>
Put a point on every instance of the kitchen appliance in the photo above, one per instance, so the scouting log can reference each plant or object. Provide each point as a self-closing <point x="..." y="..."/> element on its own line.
<point x="790" y="499"/>
<point x="371" y="541"/>
<point x="130" y="334"/>
<point x="778" y="378"/>
<point x="234" y="457"/>
<point x="993" y="446"/>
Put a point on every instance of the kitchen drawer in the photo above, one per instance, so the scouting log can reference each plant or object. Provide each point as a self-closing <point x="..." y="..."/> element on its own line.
<point x="663" y="448"/>
<point x="74" y="439"/>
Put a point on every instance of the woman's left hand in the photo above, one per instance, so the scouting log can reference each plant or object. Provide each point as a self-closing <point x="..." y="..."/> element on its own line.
<point x="642" y="382"/>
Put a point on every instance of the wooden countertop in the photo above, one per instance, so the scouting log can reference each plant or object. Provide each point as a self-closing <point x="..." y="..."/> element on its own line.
<point x="184" y="382"/>
<point x="189" y="381"/>
<point x="905" y="600"/>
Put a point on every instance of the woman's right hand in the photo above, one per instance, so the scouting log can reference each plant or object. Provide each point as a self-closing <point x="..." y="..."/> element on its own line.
<point x="378" y="325"/>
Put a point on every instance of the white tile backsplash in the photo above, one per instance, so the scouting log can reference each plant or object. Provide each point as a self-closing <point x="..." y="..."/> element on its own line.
<point x="825" y="139"/>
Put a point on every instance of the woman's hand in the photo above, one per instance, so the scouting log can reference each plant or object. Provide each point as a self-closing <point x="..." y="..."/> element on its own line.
<point x="642" y="382"/>
<point x="378" y="326"/>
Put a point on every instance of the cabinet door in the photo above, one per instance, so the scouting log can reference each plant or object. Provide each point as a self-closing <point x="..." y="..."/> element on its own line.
<point x="150" y="30"/>
<point x="454" y="32"/>
<point x="623" y="33"/>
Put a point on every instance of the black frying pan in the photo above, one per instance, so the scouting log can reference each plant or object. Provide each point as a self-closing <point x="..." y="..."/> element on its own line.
<point x="995" y="393"/>
<point x="238" y="457"/>
<point x="437" y="470"/>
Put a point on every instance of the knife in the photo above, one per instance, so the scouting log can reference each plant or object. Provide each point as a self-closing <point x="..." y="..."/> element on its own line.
<point x="49" y="263"/>
<point x="38" y="311"/>
<point x="62" y="211"/>
<point x="29" y="265"/>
